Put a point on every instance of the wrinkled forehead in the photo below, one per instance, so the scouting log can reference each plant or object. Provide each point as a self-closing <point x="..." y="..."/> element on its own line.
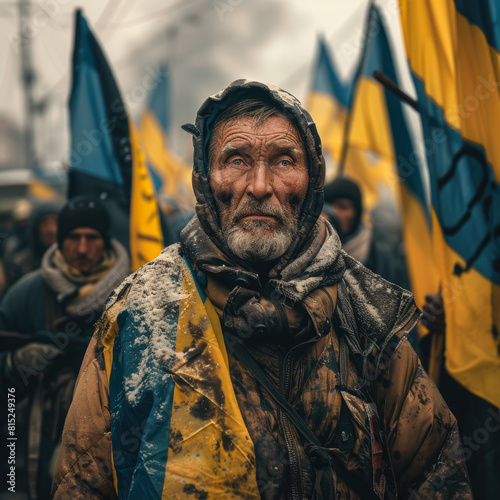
<point x="250" y="107"/>
<point x="274" y="132"/>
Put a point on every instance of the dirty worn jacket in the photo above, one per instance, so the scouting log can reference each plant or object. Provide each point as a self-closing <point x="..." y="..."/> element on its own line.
<point x="163" y="410"/>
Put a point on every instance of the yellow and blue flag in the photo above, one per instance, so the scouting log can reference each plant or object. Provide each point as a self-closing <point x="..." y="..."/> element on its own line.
<point x="328" y="103"/>
<point x="170" y="174"/>
<point x="453" y="51"/>
<point x="105" y="160"/>
<point x="197" y="440"/>
<point x="368" y="153"/>
<point x="399" y="166"/>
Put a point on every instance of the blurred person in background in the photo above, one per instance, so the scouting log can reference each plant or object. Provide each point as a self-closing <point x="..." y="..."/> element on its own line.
<point x="343" y="197"/>
<point x="17" y="237"/>
<point x="24" y="252"/>
<point x="46" y="321"/>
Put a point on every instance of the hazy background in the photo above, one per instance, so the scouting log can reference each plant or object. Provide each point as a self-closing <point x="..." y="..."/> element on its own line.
<point x="206" y="44"/>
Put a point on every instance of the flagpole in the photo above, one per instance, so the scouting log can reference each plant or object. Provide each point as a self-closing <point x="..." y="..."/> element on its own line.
<point x="392" y="87"/>
<point x="28" y="80"/>
<point x="347" y="125"/>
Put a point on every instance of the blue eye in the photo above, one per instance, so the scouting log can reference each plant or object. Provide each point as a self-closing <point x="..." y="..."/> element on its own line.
<point x="285" y="163"/>
<point x="237" y="161"/>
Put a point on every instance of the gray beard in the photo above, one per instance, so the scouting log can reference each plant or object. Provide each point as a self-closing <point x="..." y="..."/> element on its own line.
<point x="248" y="239"/>
<point x="248" y="246"/>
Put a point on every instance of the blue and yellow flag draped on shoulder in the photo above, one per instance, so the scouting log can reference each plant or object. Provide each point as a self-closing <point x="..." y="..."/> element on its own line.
<point x="328" y="103"/>
<point x="105" y="159"/>
<point x="176" y="426"/>
<point x="453" y="51"/>
<point x="170" y="174"/>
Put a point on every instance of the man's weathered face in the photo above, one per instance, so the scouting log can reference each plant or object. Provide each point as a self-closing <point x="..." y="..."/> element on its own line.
<point x="259" y="178"/>
<point x="83" y="248"/>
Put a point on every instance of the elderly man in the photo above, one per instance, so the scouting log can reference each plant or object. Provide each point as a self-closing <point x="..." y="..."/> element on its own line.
<point x="256" y="359"/>
<point x="46" y="322"/>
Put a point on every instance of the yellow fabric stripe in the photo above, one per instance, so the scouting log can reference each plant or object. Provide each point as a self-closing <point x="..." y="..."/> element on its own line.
<point x="210" y="450"/>
<point x="215" y="322"/>
<point x="330" y="117"/>
<point x="461" y="71"/>
<point x="42" y="191"/>
<point x="419" y="254"/>
<point x="108" y="342"/>
<point x="471" y="302"/>
<point x="146" y="237"/>
<point x="370" y="156"/>
<point x="176" y="175"/>
<point x="421" y="266"/>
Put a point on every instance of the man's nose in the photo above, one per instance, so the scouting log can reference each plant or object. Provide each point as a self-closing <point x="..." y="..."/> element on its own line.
<point x="261" y="178"/>
<point x="82" y="245"/>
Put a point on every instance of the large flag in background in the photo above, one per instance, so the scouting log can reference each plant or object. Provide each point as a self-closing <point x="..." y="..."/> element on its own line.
<point x="399" y="165"/>
<point x="368" y="153"/>
<point x="404" y="170"/>
<point x="453" y="51"/>
<point x="328" y="103"/>
<point x="170" y="174"/>
<point x="104" y="156"/>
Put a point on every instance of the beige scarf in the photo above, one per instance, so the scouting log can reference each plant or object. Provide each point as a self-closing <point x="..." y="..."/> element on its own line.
<point x="80" y="292"/>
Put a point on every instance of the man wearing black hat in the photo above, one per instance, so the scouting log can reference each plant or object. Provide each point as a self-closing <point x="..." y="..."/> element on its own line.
<point x="343" y="197"/>
<point x="46" y="320"/>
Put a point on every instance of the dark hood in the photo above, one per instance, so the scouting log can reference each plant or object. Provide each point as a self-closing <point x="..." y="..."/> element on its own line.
<point x="291" y="108"/>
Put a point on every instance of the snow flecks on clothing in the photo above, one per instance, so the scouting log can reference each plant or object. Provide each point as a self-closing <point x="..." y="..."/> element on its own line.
<point x="379" y="306"/>
<point x="141" y="340"/>
<point x="361" y="301"/>
<point x="152" y="315"/>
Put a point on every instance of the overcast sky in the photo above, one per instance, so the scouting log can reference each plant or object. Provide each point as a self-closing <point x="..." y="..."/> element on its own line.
<point x="207" y="44"/>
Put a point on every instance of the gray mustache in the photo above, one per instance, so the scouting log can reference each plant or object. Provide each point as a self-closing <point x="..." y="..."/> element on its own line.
<point x="256" y="208"/>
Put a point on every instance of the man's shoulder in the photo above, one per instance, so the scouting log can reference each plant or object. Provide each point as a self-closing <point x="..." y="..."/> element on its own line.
<point x="168" y="264"/>
<point x="154" y="280"/>
<point x="23" y="305"/>
<point x="381" y="308"/>
<point x="148" y="299"/>
<point x="30" y="282"/>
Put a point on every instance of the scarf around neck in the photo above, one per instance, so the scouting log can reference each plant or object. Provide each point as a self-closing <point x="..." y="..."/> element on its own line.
<point x="79" y="293"/>
<point x="367" y="304"/>
<point x="359" y="244"/>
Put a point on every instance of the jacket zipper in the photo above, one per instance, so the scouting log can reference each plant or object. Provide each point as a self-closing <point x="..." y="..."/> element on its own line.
<point x="289" y="440"/>
<point x="286" y="425"/>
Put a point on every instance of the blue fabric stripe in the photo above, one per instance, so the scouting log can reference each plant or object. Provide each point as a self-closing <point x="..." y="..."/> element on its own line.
<point x="92" y="148"/>
<point x="378" y="56"/>
<point x="141" y="396"/>
<point x="325" y="77"/>
<point x="464" y="192"/>
<point x="484" y="14"/>
<point x="200" y="291"/>
<point x="157" y="180"/>
<point x="159" y="100"/>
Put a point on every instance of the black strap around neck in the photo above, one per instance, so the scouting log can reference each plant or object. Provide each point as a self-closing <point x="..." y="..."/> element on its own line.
<point x="320" y="456"/>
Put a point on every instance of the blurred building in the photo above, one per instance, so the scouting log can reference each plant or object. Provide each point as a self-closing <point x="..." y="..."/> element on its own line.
<point x="14" y="177"/>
